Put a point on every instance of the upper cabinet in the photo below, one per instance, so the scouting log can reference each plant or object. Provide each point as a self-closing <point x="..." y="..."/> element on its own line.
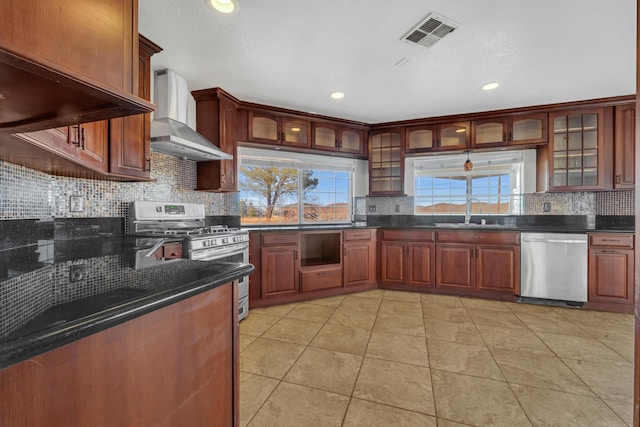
<point x="334" y="137"/>
<point x="578" y="152"/>
<point x="276" y="129"/>
<point x="438" y="137"/>
<point x="517" y="130"/>
<point x="386" y="165"/>
<point x="89" y="66"/>
<point x="216" y="120"/>
<point x="624" y="149"/>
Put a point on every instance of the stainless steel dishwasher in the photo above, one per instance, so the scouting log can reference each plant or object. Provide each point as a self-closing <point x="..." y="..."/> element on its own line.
<point x="554" y="266"/>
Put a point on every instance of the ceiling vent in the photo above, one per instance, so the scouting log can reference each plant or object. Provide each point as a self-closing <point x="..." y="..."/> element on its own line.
<point x="430" y="30"/>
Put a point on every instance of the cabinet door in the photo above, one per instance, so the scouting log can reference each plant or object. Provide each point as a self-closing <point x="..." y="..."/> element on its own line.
<point x="228" y="145"/>
<point x="454" y="136"/>
<point x="421" y="138"/>
<point x="351" y="140"/>
<point x="576" y="155"/>
<point x="92" y="145"/>
<point x="624" y="149"/>
<point x="264" y="128"/>
<point x="393" y="265"/>
<point x="325" y="136"/>
<point x="421" y="264"/>
<point x="611" y="275"/>
<point x="296" y="132"/>
<point x="528" y="129"/>
<point x="129" y="144"/>
<point x="455" y="267"/>
<point x="359" y="264"/>
<point x="279" y="272"/>
<point x="489" y="133"/>
<point x="56" y="139"/>
<point x="498" y="269"/>
<point x="386" y="174"/>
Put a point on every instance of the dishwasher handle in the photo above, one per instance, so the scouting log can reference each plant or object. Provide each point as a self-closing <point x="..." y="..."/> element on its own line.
<point x="524" y="239"/>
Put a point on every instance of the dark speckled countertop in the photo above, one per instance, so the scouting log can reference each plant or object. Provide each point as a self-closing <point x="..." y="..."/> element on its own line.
<point x="55" y="292"/>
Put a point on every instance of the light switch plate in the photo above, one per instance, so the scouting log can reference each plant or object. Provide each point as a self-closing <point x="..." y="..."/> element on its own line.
<point x="76" y="204"/>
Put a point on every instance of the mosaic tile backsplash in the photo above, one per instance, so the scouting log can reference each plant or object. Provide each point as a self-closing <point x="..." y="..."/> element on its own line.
<point x="29" y="194"/>
<point x="581" y="203"/>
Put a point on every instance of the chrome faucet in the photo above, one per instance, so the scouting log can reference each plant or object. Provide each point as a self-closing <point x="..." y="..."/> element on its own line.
<point x="467" y="209"/>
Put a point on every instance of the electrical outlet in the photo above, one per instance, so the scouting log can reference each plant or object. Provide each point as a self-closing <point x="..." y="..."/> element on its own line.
<point x="372" y="208"/>
<point x="76" y="203"/>
<point x="546" y="206"/>
<point x="397" y="208"/>
<point x="76" y="273"/>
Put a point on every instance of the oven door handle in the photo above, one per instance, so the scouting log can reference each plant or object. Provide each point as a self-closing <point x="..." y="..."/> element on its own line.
<point x="212" y="254"/>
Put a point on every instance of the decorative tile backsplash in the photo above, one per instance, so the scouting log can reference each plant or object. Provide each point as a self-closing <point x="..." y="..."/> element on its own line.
<point x="29" y="194"/>
<point x="581" y="203"/>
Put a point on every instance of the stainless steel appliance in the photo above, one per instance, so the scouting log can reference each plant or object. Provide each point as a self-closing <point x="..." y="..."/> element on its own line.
<point x="184" y="223"/>
<point x="554" y="266"/>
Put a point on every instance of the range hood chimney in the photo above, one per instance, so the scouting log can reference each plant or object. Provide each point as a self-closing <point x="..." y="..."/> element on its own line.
<point x="169" y="132"/>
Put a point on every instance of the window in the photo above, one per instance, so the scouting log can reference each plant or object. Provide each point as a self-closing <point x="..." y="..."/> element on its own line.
<point x="493" y="187"/>
<point x="288" y="188"/>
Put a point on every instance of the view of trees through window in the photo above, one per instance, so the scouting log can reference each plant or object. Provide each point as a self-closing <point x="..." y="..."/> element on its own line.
<point x="284" y="195"/>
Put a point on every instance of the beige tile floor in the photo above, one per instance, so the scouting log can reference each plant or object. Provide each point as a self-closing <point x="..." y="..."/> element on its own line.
<point x="390" y="358"/>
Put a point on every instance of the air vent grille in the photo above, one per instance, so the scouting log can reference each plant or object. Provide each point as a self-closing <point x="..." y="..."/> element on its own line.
<point x="430" y="30"/>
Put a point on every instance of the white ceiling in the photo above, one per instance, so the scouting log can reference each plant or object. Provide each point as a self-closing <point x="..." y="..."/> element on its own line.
<point x="293" y="53"/>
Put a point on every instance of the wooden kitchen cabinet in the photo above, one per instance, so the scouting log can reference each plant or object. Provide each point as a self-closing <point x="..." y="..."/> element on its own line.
<point x="334" y="137"/>
<point x="175" y="366"/>
<point x="130" y="137"/>
<point x="478" y="263"/>
<point x="320" y="260"/>
<point x="359" y="253"/>
<point x="386" y="162"/>
<point x="509" y="130"/>
<point x="268" y="128"/>
<point x="580" y="149"/>
<point x="611" y="270"/>
<point x="624" y="148"/>
<point x="438" y="137"/>
<point x="407" y="259"/>
<point x="216" y="119"/>
<point x="279" y="265"/>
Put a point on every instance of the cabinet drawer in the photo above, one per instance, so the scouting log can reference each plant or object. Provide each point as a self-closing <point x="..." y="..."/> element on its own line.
<point x="275" y="239"/>
<point x="350" y="235"/>
<point x="169" y="250"/>
<point x="409" y="235"/>
<point x="316" y="279"/>
<point x="611" y="240"/>
<point x="479" y="237"/>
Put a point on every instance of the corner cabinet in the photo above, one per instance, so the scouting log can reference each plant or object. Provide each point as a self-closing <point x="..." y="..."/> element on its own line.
<point x="624" y="148"/>
<point x="386" y="162"/>
<point x="216" y="120"/>
<point x="580" y="149"/>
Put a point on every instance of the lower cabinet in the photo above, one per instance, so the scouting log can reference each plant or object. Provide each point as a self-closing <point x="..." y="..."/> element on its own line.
<point x="611" y="271"/>
<point x="359" y="257"/>
<point x="407" y="258"/>
<point x="478" y="262"/>
<point x="176" y="366"/>
<point x="279" y="265"/>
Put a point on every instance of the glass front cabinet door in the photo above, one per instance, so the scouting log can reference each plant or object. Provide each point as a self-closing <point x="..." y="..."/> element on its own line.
<point x="576" y="150"/>
<point x="386" y="163"/>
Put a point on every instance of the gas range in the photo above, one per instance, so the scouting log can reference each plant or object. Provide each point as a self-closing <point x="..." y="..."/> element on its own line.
<point x="186" y="221"/>
<point x="179" y="231"/>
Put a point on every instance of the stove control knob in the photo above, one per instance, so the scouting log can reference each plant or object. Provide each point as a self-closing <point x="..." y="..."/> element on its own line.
<point x="225" y="240"/>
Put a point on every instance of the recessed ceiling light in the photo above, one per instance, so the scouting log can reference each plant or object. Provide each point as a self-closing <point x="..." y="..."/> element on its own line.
<point x="223" y="6"/>
<point x="490" y="86"/>
<point x="337" y="95"/>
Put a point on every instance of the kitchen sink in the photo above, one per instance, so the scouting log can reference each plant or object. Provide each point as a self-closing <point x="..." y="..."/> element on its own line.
<point x="463" y="225"/>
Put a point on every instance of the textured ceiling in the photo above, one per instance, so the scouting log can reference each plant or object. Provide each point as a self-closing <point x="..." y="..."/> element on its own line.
<point x="292" y="54"/>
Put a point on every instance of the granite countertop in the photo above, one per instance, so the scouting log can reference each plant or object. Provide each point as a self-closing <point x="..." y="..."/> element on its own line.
<point x="56" y="292"/>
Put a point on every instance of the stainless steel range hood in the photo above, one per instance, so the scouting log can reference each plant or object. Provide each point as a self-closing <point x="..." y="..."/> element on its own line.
<point x="169" y="133"/>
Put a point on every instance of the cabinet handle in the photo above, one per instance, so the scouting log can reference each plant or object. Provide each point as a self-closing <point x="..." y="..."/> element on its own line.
<point x="504" y="137"/>
<point x="77" y="129"/>
<point x="550" y="181"/>
<point x="281" y="136"/>
<point x="339" y="143"/>
<point x="82" y="139"/>
<point x="618" y="179"/>
<point x="510" y="137"/>
<point x="609" y="252"/>
<point x="148" y="164"/>
<point x="295" y="255"/>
